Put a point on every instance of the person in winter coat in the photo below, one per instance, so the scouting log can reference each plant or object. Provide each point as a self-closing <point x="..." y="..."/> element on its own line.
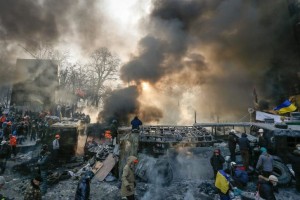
<point x="136" y="123"/>
<point x="56" y="148"/>
<point x="83" y="187"/>
<point x="265" y="161"/>
<point x="128" y="179"/>
<point x="33" y="191"/>
<point x="262" y="141"/>
<point x="267" y="187"/>
<point x="13" y="144"/>
<point x="244" y="145"/>
<point x="43" y="164"/>
<point x="217" y="161"/>
<point x="295" y="161"/>
<point x="4" y="155"/>
<point x="232" y="144"/>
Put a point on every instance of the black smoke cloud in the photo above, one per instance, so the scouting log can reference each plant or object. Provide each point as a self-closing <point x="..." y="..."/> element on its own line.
<point x="231" y="46"/>
<point x="120" y="105"/>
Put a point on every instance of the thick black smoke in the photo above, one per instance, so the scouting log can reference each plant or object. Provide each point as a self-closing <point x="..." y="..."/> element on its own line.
<point x="121" y="105"/>
<point x="226" y="47"/>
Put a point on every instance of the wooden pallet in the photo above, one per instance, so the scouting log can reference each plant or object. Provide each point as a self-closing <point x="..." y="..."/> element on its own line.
<point x="97" y="167"/>
<point x="108" y="164"/>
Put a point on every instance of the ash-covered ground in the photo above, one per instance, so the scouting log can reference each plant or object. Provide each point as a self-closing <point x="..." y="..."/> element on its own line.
<point x="193" y="183"/>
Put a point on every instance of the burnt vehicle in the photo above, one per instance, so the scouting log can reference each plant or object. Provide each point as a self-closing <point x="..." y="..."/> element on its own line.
<point x="69" y="132"/>
<point x="282" y="139"/>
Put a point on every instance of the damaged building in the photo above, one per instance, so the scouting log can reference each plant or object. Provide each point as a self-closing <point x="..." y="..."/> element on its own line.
<point x="36" y="84"/>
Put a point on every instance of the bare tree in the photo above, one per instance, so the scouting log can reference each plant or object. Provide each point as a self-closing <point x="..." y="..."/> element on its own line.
<point x="103" y="67"/>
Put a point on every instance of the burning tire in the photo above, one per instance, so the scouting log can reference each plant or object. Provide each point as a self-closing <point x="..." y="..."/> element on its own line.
<point x="282" y="173"/>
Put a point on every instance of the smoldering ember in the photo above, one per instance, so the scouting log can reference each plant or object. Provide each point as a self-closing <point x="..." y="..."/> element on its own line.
<point x="149" y="100"/>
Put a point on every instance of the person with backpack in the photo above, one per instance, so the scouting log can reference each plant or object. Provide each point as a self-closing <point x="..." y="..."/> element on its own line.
<point x="265" y="161"/>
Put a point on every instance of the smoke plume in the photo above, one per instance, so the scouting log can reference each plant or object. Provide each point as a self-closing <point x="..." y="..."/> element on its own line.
<point x="223" y="48"/>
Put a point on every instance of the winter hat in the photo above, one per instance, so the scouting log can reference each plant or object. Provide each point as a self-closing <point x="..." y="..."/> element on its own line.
<point x="273" y="178"/>
<point x="261" y="130"/>
<point x="263" y="149"/>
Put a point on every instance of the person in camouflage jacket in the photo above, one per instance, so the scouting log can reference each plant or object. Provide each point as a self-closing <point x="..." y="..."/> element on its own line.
<point x="33" y="191"/>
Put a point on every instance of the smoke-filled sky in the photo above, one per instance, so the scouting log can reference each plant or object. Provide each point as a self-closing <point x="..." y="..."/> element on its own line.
<point x="180" y="56"/>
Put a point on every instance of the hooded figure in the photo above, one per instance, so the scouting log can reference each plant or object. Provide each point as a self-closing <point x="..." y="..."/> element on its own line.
<point x="265" y="161"/>
<point x="83" y="187"/>
<point x="128" y="179"/>
<point x="136" y="123"/>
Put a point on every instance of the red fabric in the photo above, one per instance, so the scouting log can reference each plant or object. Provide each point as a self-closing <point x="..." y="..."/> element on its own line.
<point x="13" y="141"/>
<point x="3" y="119"/>
<point x="241" y="168"/>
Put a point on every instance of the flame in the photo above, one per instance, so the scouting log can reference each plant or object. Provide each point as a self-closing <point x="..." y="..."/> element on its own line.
<point x="145" y="86"/>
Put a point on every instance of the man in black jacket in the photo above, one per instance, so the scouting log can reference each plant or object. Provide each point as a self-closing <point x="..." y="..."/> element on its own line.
<point x="232" y="140"/>
<point x="262" y="141"/>
<point x="217" y="161"/>
<point x="244" y="148"/>
<point x="267" y="187"/>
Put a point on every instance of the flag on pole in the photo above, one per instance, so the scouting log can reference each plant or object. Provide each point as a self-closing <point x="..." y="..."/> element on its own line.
<point x="285" y="107"/>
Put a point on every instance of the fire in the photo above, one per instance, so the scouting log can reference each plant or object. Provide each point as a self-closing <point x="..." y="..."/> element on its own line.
<point x="145" y="86"/>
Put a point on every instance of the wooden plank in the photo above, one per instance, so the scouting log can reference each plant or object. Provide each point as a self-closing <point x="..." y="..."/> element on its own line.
<point x="97" y="167"/>
<point x="108" y="164"/>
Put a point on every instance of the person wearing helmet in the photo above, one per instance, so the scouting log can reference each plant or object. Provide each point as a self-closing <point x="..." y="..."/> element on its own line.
<point x="128" y="179"/>
<point x="267" y="187"/>
<point x="232" y="141"/>
<point x="56" y="148"/>
<point x="265" y="161"/>
<point x="262" y="141"/>
<point x="217" y="161"/>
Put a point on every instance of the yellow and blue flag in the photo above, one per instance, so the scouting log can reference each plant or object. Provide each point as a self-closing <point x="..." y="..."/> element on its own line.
<point x="285" y="107"/>
<point x="222" y="181"/>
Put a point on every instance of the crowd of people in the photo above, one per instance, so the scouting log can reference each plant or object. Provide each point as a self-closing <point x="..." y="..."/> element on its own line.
<point x="237" y="175"/>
